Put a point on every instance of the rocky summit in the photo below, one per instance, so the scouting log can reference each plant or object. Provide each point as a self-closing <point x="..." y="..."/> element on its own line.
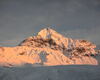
<point x="49" y="48"/>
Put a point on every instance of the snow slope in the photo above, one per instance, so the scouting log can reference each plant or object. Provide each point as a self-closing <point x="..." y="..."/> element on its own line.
<point x="72" y="72"/>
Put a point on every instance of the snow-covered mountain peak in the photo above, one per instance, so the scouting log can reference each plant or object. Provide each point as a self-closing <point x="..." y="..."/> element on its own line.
<point x="47" y="48"/>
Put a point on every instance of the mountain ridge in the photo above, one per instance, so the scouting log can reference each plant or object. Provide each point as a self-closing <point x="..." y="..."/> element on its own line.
<point x="49" y="48"/>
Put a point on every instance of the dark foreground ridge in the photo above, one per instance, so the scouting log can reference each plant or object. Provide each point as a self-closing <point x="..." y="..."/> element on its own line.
<point x="71" y="72"/>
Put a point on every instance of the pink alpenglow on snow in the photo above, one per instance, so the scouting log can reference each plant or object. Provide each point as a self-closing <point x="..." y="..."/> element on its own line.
<point x="49" y="48"/>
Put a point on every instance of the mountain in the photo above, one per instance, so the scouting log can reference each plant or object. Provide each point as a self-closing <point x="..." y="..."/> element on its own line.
<point x="49" y="48"/>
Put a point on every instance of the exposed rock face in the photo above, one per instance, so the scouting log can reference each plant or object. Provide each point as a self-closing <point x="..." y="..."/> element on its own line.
<point x="49" y="48"/>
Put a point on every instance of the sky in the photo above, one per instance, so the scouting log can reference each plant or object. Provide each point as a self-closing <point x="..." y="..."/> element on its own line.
<point x="78" y="19"/>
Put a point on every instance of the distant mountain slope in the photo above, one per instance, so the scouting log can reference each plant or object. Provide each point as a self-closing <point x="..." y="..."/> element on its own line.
<point x="49" y="48"/>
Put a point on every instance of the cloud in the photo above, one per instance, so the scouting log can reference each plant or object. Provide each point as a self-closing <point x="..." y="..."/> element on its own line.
<point x="87" y="34"/>
<point x="21" y="18"/>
